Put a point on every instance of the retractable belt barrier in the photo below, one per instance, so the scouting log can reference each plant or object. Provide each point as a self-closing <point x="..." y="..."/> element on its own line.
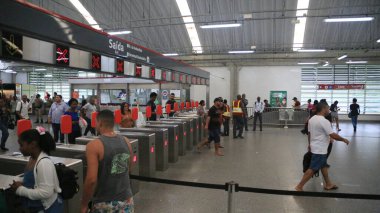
<point x="258" y="190"/>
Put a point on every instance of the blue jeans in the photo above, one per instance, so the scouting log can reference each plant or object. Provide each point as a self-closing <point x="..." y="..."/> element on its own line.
<point x="4" y="133"/>
<point x="238" y="125"/>
<point x="354" y="120"/>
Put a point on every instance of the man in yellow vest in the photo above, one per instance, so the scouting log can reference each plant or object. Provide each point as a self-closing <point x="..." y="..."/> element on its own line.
<point x="238" y="117"/>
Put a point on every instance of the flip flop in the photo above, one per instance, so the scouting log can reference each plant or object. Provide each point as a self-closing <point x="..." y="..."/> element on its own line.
<point x="335" y="187"/>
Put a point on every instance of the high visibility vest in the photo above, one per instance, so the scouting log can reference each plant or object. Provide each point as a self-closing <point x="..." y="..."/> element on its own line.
<point x="227" y="112"/>
<point x="236" y="109"/>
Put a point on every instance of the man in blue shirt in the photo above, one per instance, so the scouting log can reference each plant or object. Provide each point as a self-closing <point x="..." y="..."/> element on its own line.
<point x="57" y="109"/>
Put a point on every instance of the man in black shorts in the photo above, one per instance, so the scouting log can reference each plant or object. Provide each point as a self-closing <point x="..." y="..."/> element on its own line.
<point x="213" y="125"/>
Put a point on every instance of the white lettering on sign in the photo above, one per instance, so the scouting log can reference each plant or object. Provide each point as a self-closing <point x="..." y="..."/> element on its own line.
<point x="136" y="56"/>
<point x="116" y="45"/>
<point x="134" y="48"/>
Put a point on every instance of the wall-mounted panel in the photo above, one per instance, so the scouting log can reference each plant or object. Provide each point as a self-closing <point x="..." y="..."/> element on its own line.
<point x="129" y="68"/>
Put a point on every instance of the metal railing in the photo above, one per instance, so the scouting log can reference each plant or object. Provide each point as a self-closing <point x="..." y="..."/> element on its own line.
<point x="281" y="116"/>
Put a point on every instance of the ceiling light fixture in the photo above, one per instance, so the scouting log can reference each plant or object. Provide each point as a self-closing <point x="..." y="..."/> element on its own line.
<point x="240" y="51"/>
<point x="170" y="54"/>
<point x="40" y="69"/>
<point x="342" y="57"/>
<point x="190" y="26"/>
<point x="48" y="75"/>
<point x="350" y="19"/>
<point x="82" y="10"/>
<point x="326" y="64"/>
<point x="307" y="63"/>
<point x="378" y="40"/>
<point x="299" y="28"/>
<point x="311" y="50"/>
<point x="356" y="62"/>
<point x="214" y="26"/>
<point x="124" y="32"/>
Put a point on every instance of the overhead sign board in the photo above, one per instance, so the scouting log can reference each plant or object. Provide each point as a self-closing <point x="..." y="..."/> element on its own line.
<point x="96" y="62"/>
<point x="62" y="55"/>
<point x="340" y="86"/>
<point x="11" y="45"/>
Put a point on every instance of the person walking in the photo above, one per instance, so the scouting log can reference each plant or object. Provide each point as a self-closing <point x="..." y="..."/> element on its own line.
<point x="22" y="109"/>
<point x="213" y="126"/>
<point x="171" y="101"/>
<point x="13" y="104"/>
<point x="334" y="114"/>
<point x="238" y="117"/>
<point x="74" y="112"/>
<point x="88" y="109"/>
<point x="38" y="104"/>
<point x="109" y="159"/>
<point x="320" y="132"/>
<point x="5" y="116"/>
<point x="245" y="111"/>
<point x="296" y="105"/>
<point x="48" y="104"/>
<point x="40" y="186"/>
<point x="153" y="97"/>
<point x="259" y="108"/>
<point x="57" y="109"/>
<point x="354" y="113"/>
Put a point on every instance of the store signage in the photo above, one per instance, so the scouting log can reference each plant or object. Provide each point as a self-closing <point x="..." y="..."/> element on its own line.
<point x="340" y="86"/>
<point x="119" y="66"/>
<point x="138" y="70"/>
<point x="62" y="54"/>
<point x="11" y="45"/>
<point x="96" y="62"/>
<point x="152" y="72"/>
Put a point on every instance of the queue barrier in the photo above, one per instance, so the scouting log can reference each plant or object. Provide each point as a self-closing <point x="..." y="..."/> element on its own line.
<point x="117" y="114"/>
<point x="93" y="119"/>
<point x="232" y="187"/>
<point x="23" y="125"/>
<point x="148" y="112"/>
<point x="281" y="116"/>
<point x="159" y="110"/>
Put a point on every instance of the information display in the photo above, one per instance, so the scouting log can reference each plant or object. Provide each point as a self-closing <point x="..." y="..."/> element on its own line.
<point x="119" y="66"/>
<point x="145" y="71"/>
<point x="129" y="68"/>
<point x="11" y="45"/>
<point x="158" y="74"/>
<point x="96" y="62"/>
<point x="152" y="73"/>
<point x="138" y="70"/>
<point x="62" y="55"/>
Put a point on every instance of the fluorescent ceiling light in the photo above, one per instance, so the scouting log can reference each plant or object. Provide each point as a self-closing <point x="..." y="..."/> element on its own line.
<point x="170" y="54"/>
<point x="48" y="75"/>
<point x="307" y="63"/>
<point x="82" y="10"/>
<point x="190" y="26"/>
<point x="9" y="71"/>
<point x="240" y="51"/>
<point x="351" y="19"/>
<point x="299" y="28"/>
<point x="378" y="40"/>
<point x="356" y="62"/>
<point x="326" y="64"/>
<point x="342" y="57"/>
<point x="311" y="50"/>
<point x="120" y="32"/>
<point x="40" y="69"/>
<point x="213" y="26"/>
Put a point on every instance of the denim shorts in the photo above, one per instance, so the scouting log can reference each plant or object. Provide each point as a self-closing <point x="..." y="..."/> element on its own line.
<point x="318" y="162"/>
<point x="214" y="135"/>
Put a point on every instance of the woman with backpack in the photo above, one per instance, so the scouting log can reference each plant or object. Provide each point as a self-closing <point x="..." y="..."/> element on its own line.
<point x="40" y="186"/>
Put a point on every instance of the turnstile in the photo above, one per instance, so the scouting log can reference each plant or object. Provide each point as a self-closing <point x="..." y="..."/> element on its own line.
<point x="135" y="184"/>
<point x="162" y="145"/>
<point x="193" y="130"/>
<point x="200" y="124"/>
<point x="187" y="135"/>
<point x="15" y="165"/>
<point x="173" y="138"/>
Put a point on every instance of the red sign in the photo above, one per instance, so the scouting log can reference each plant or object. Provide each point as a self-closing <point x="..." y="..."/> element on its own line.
<point x="180" y="78"/>
<point x="138" y="70"/>
<point x="163" y="74"/>
<point x="119" y="66"/>
<point x="152" y="72"/>
<point x="62" y="55"/>
<point x="340" y="86"/>
<point x="173" y="76"/>
<point x="96" y="61"/>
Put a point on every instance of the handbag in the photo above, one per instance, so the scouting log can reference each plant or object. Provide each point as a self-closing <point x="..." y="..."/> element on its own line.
<point x="349" y="115"/>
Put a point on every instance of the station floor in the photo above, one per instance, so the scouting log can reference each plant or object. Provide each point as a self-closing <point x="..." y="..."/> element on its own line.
<point x="269" y="159"/>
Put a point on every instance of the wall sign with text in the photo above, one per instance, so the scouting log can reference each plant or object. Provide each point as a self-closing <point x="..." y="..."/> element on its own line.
<point x="340" y="86"/>
<point x="62" y="55"/>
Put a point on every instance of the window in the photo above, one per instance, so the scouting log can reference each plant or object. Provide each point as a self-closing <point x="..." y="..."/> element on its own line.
<point x="368" y="98"/>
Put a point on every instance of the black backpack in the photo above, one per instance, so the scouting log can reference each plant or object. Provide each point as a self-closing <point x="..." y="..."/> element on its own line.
<point x="306" y="163"/>
<point x="67" y="180"/>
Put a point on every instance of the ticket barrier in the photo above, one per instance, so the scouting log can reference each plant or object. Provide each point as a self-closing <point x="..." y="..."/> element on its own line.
<point x="200" y="127"/>
<point x="194" y="129"/>
<point x="162" y="145"/>
<point x="182" y="133"/>
<point x="14" y="165"/>
<point x="173" y="138"/>
<point x="187" y="135"/>
<point x="135" y="159"/>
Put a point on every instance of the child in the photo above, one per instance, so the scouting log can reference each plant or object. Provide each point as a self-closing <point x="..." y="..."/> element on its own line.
<point x="40" y="186"/>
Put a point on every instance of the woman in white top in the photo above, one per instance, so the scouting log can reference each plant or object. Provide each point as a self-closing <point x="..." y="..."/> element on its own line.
<point x="40" y="186"/>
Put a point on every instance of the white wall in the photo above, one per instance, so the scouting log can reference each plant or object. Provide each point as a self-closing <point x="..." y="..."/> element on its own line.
<point x="198" y="92"/>
<point x="219" y="83"/>
<point x="260" y="80"/>
<point x="22" y="78"/>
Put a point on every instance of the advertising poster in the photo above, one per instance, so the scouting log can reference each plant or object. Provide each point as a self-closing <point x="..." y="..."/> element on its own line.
<point x="278" y="98"/>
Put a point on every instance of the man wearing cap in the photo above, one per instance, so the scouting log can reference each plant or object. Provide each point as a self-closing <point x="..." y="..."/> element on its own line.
<point x="213" y="126"/>
<point x="297" y="104"/>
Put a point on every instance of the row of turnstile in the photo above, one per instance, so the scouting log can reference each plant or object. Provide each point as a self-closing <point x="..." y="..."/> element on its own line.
<point x="154" y="146"/>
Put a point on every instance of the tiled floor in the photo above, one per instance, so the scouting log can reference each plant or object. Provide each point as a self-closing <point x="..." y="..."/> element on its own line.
<point x="268" y="159"/>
